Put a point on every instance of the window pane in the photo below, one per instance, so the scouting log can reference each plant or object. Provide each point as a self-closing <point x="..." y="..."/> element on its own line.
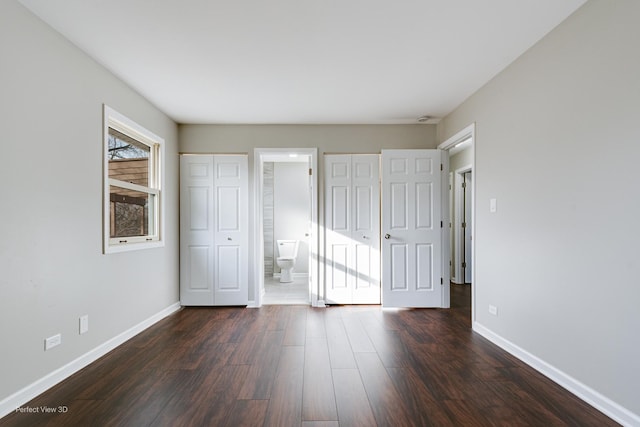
<point x="131" y="213"/>
<point x="128" y="159"/>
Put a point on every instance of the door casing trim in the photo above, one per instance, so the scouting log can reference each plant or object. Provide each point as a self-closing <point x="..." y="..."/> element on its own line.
<point x="259" y="154"/>
<point x="462" y="135"/>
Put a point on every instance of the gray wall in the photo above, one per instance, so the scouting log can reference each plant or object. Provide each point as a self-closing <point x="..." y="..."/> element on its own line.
<point x="557" y="144"/>
<point x="328" y="138"/>
<point x="52" y="269"/>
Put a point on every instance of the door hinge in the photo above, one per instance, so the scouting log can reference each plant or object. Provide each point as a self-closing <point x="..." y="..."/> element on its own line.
<point x="464" y="265"/>
<point x="441" y="224"/>
<point x="464" y="185"/>
<point x="441" y="281"/>
<point x="441" y="167"/>
<point x="310" y="171"/>
<point x="464" y="225"/>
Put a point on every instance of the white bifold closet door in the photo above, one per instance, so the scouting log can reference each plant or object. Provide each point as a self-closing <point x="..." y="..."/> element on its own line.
<point x="352" y="228"/>
<point x="214" y="234"/>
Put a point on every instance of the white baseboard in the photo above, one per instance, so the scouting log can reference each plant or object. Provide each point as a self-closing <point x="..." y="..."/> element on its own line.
<point x="589" y="395"/>
<point x="23" y="396"/>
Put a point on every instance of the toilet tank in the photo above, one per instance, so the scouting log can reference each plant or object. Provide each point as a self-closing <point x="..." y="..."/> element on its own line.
<point x="287" y="248"/>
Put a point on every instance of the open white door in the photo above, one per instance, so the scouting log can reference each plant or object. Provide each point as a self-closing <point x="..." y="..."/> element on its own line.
<point x="352" y="218"/>
<point x="412" y="229"/>
<point x="213" y="230"/>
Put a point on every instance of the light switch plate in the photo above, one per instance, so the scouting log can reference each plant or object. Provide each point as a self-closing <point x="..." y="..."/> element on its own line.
<point x="84" y="324"/>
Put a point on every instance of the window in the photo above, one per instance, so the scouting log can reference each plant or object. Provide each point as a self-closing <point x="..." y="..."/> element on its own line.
<point x="132" y="185"/>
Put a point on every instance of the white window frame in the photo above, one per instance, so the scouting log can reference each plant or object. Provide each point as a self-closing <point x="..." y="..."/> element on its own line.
<point x="155" y="238"/>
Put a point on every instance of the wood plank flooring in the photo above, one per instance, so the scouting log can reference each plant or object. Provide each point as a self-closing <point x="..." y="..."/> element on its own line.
<point x="300" y="366"/>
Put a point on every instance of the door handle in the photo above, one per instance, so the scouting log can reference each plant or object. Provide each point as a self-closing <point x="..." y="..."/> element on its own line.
<point x="365" y="237"/>
<point x="229" y="238"/>
<point x="387" y="236"/>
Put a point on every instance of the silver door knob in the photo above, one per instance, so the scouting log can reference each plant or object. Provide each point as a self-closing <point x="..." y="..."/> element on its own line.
<point x="387" y="236"/>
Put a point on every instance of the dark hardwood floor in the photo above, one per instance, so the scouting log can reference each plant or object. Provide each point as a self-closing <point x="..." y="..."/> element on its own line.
<point x="300" y="366"/>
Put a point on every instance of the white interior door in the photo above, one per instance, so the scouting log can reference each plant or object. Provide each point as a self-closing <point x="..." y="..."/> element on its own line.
<point x="231" y="236"/>
<point x="412" y="229"/>
<point x="213" y="230"/>
<point x="352" y="224"/>
<point x="196" y="230"/>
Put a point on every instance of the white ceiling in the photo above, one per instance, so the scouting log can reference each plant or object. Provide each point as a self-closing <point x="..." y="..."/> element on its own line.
<point x="304" y="61"/>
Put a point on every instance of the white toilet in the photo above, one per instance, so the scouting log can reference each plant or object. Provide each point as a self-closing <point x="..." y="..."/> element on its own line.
<point x="287" y="253"/>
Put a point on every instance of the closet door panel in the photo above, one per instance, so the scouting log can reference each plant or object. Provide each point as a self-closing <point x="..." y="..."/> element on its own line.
<point x="231" y="238"/>
<point x="338" y="223"/>
<point x="196" y="230"/>
<point x="352" y="224"/>
<point x="366" y="230"/>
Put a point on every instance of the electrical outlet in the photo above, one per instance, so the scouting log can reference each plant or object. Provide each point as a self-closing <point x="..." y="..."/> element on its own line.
<point x="53" y="341"/>
<point x="84" y="324"/>
<point x="493" y="310"/>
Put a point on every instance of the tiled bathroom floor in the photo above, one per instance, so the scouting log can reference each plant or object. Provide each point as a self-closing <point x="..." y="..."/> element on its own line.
<point x="296" y="292"/>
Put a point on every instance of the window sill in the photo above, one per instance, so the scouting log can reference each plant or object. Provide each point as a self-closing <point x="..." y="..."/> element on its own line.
<point x="127" y="247"/>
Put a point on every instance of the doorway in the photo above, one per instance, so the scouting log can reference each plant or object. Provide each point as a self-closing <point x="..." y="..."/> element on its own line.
<point x="467" y="234"/>
<point x="461" y="214"/>
<point x="285" y="188"/>
<point x="461" y="154"/>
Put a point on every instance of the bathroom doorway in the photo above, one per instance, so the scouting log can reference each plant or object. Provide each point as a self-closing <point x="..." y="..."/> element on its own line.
<point x="286" y="216"/>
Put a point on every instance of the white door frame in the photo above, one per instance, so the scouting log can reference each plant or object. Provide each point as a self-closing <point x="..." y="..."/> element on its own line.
<point x="464" y="134"/>
<point x="259" y="156"/>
